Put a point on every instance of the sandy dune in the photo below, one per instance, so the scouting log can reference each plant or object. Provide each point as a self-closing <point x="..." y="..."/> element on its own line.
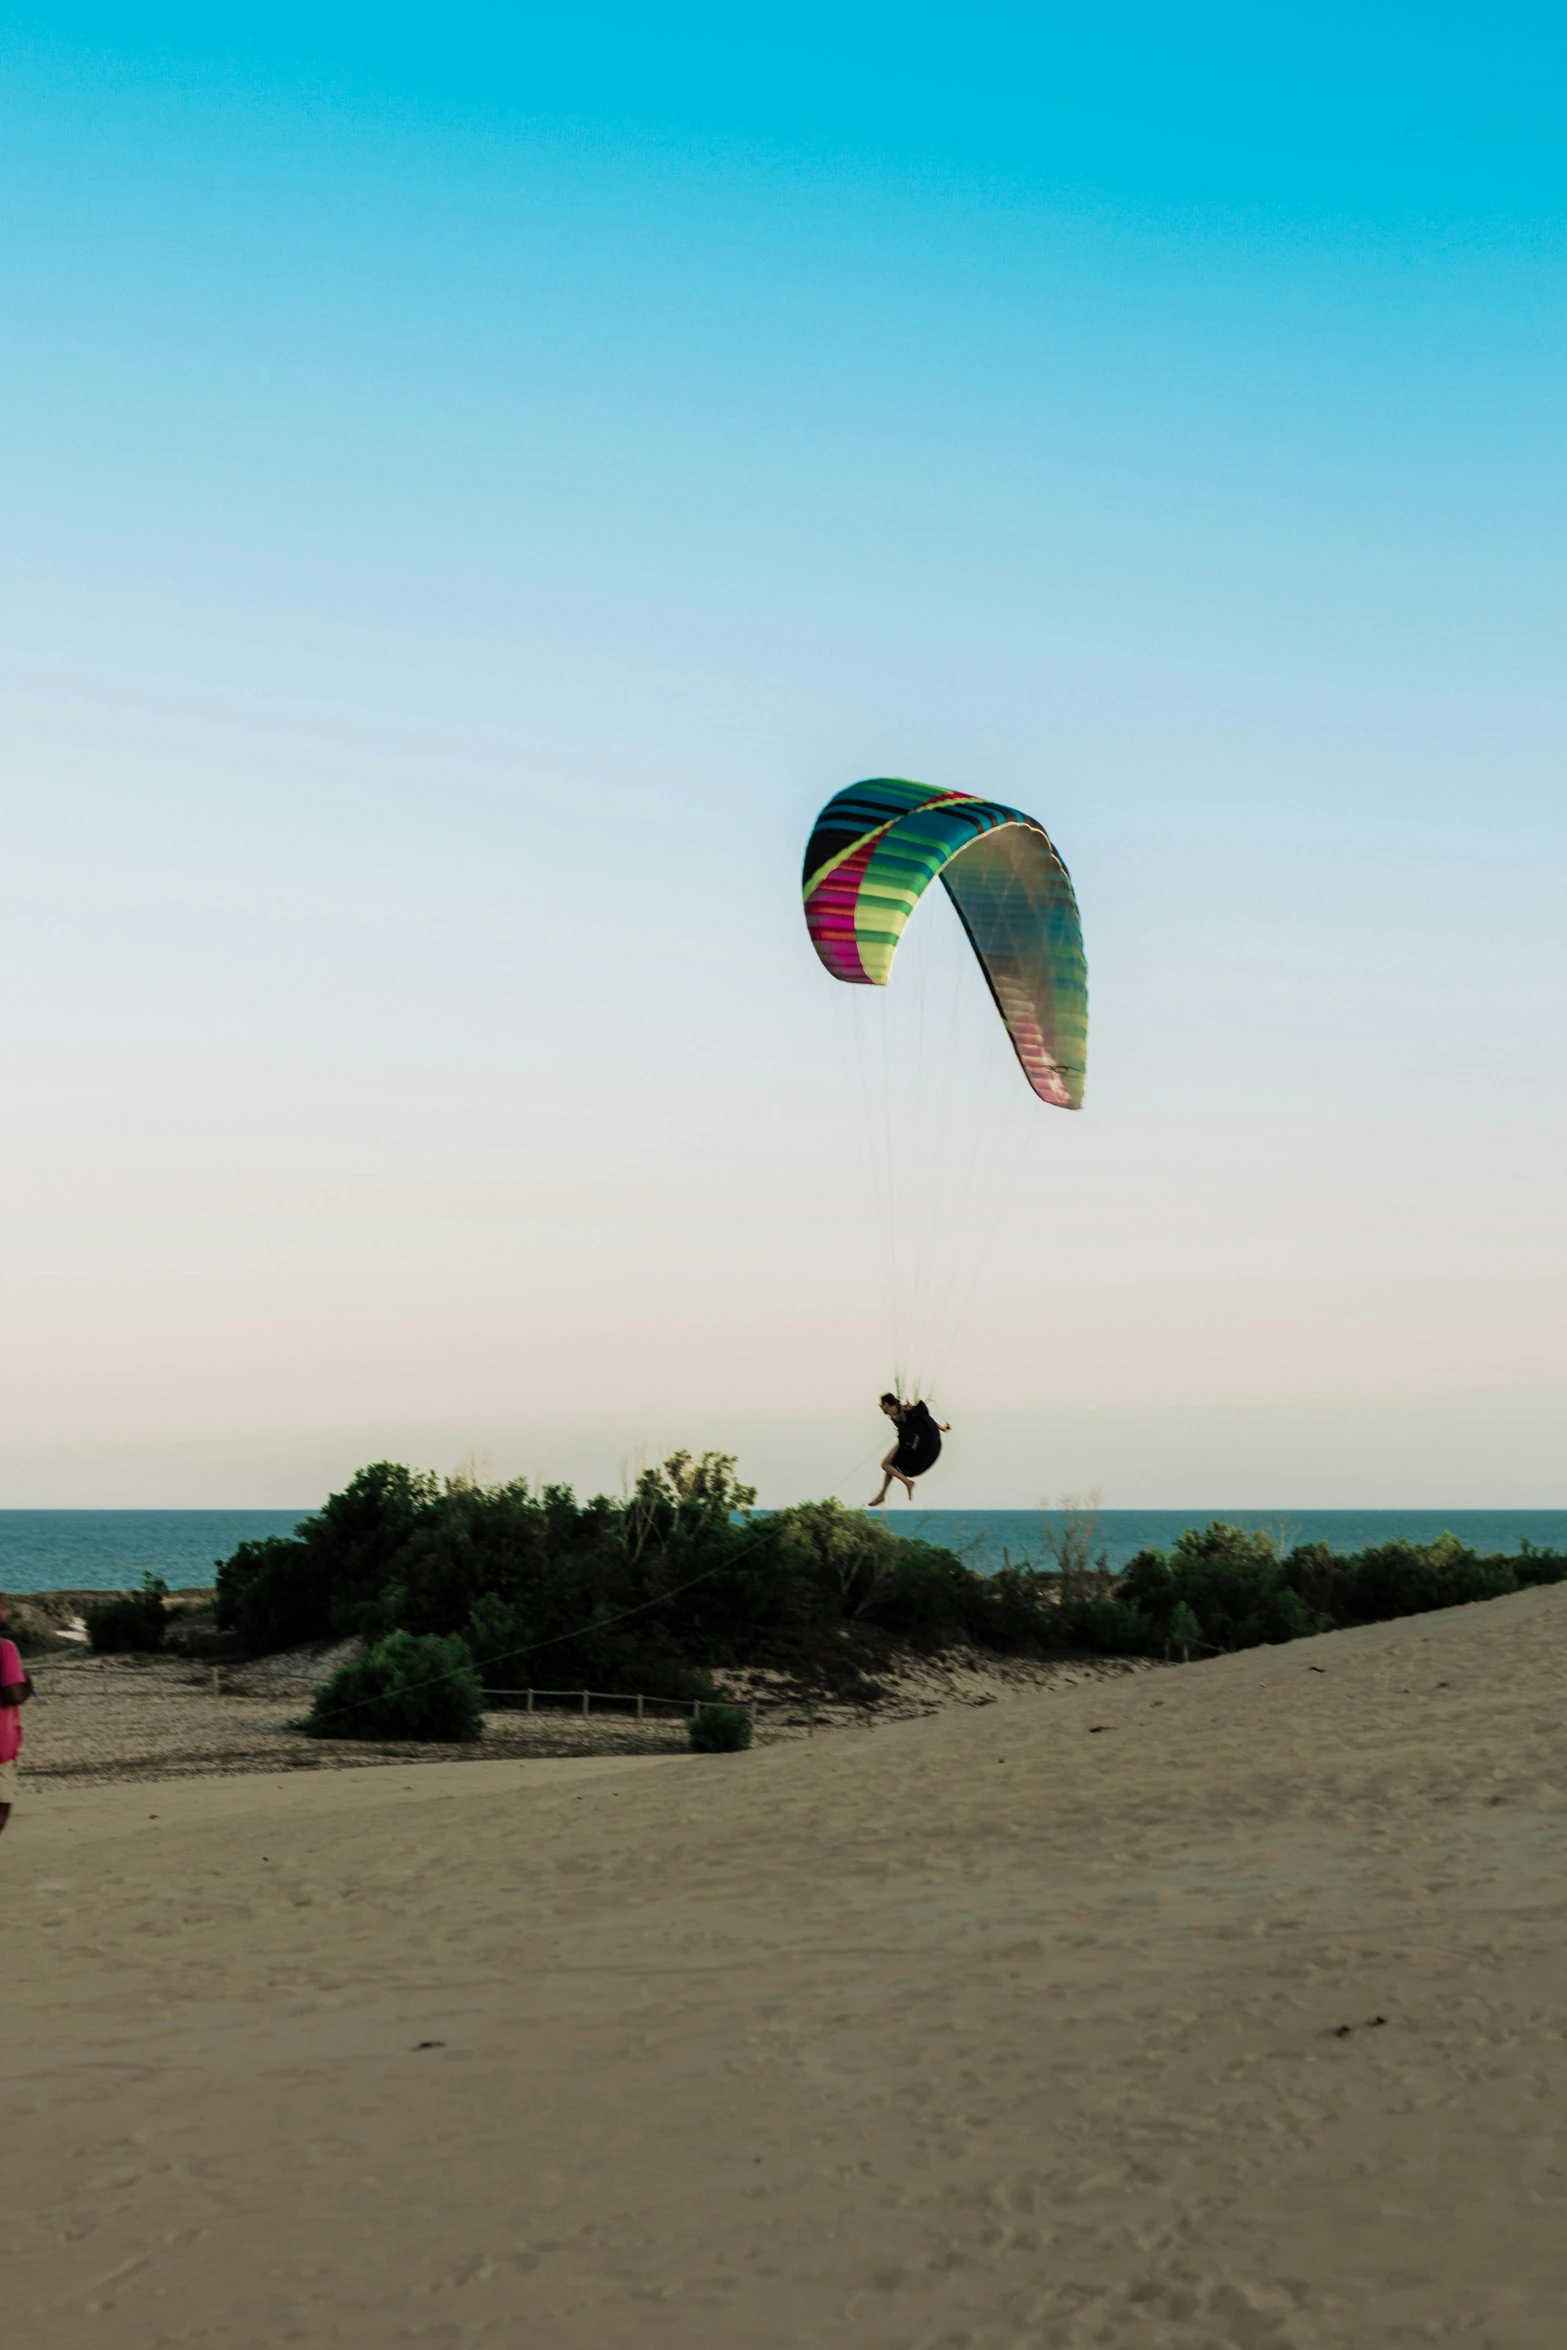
<point x="1004" y="2030"/>
<point x="151" y="1719"/>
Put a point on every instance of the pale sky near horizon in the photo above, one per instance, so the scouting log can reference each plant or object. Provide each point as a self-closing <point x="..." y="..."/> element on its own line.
<point x="473" y="487"/>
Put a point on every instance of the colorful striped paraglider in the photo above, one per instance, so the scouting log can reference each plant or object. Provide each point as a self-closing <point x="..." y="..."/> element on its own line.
<point x="876" y="847"/>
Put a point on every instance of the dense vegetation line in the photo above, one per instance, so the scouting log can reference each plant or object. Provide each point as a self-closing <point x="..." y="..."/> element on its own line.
<point x="462" y="1590"/>
<point x="684" y="1577"/>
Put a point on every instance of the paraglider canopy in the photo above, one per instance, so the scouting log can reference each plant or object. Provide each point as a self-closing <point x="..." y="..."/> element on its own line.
<point x="876" y="847"/>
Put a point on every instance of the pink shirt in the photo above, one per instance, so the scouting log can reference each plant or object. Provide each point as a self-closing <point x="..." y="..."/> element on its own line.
<point x="10" y="1715"/>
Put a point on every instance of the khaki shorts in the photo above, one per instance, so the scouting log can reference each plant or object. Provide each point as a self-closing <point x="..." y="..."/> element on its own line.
<point x="8" y="1772"/>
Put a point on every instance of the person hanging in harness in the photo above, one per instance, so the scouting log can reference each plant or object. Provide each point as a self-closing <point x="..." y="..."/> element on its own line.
<point x="918" y="1447"/>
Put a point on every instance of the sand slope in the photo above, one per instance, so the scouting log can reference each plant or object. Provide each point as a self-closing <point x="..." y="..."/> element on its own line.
<point x="106" y="1721"/>
<point x="986" y="2032"/>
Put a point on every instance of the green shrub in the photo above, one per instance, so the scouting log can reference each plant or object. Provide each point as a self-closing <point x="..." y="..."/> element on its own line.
<point x="1231" y="1580"/>
<point x="409" y="1685"/>
<point x="1220" y="1588"/>
<point x="1109" y="1627"/>
<point x="641" y="1658"/>
<point x="1537" y="1566"/>
<point x="1183" y="1633"/>
<point x="720" y="1729"/>
<point x="323" y="1581"/>
<point x="130" y="1620"/>
<point x="618" y="1594"/>
<point x="1407" y="1579"/>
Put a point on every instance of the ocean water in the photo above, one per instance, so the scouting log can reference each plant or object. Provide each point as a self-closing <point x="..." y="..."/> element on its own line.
<point x="108" y="1550"/>
<point x="111" y="1550"/>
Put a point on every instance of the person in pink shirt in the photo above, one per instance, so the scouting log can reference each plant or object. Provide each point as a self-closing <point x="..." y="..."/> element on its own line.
<point x="15" y="1690"/>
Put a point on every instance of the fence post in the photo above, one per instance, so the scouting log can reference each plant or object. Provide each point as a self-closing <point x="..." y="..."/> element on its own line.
<point x="639" y="1708"/>
<point x="528" y="1708"/>
<point x="584" y="1701"/>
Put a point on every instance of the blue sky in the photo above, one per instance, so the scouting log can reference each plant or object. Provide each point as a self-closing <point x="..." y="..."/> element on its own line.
<point x="475" y="488"/>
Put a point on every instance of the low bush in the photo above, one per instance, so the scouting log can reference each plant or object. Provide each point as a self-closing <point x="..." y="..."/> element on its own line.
<point x="1183" y="1633"/>
<point x="409" y="1685"/>
<point x="323" y="1582"/>
<point x="720" y="1729"/>
<point x="1410" y="1578"/>
<point x="1220" y="1588"/>
<point x="131" y="1620"/>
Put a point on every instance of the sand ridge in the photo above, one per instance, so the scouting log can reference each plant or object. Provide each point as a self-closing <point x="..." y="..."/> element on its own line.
<point x="1010" y="2027"/>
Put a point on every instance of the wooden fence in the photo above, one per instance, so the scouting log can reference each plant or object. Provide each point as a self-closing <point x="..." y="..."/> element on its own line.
<point x="584" y="1700"/>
